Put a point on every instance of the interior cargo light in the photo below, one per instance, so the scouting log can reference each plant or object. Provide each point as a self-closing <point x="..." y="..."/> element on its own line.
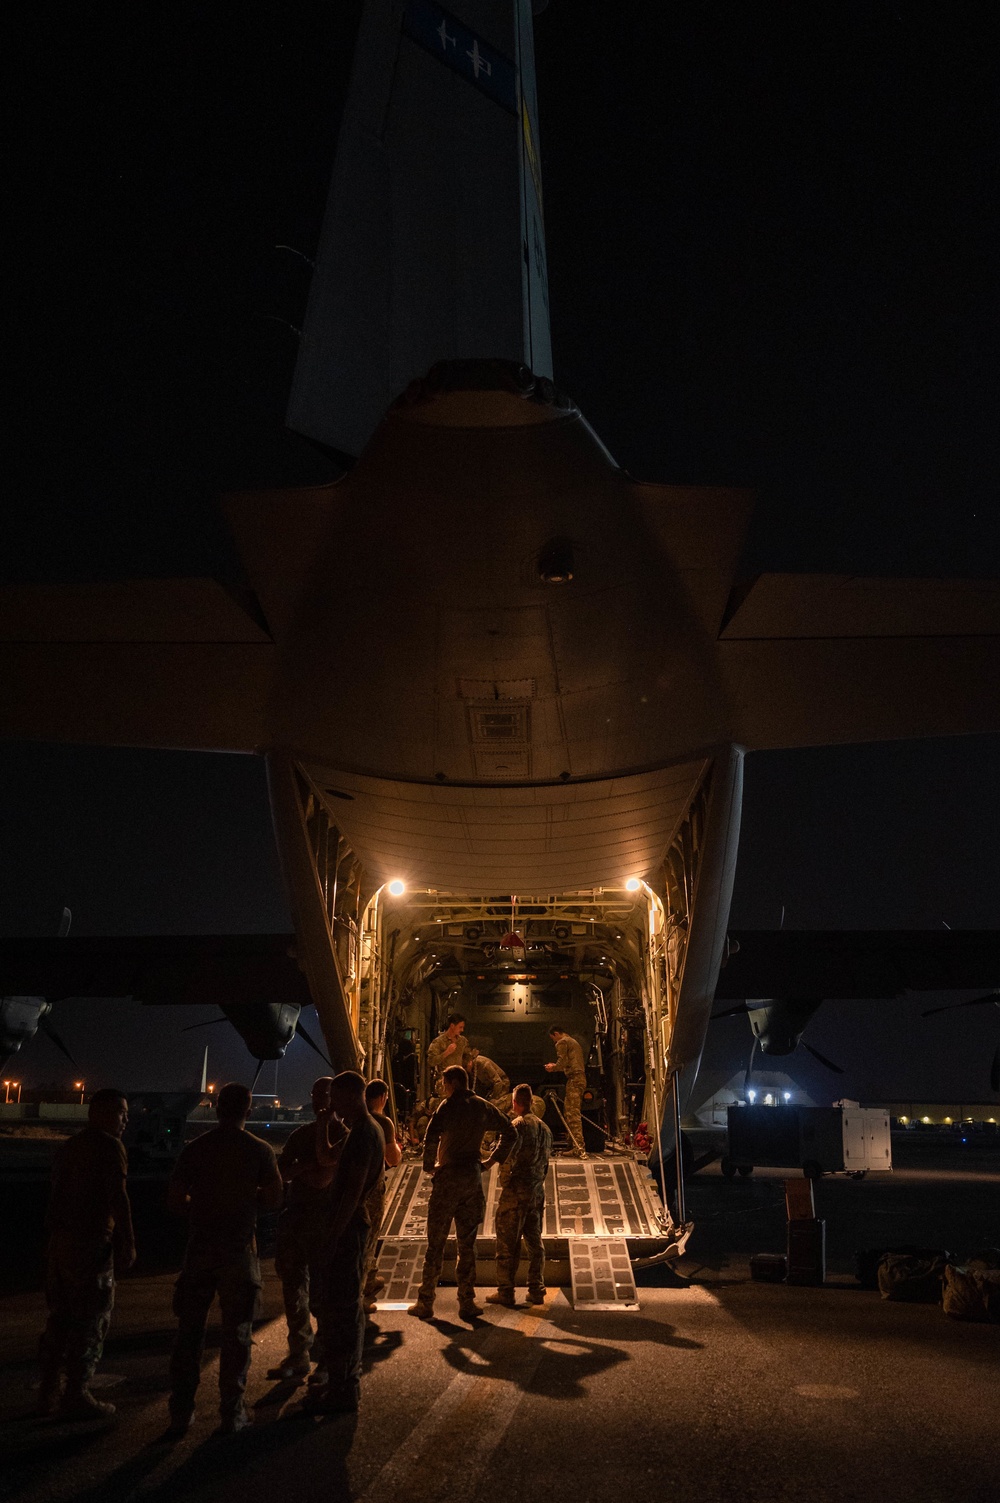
<point x="788" y="1095"/>
<point x="633" y="884"/>
<point x="397" y="888"/>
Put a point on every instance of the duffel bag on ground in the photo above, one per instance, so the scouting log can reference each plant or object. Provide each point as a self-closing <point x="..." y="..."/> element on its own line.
<point x="914" y="1278"/>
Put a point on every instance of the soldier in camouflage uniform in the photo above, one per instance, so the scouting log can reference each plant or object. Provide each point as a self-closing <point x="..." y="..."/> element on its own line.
<point x="449" y="1048"/>
<point x="569" y="1060"/>
<point x="300" y="1234"/>
<point x="376" y="1099"/>
<point x="487" y="1079"/>
<point x="452" y="1149"/>
<point x="219" y="1182"/>
<point x="90" y="1238"/>
<point x="522" y="1204"/>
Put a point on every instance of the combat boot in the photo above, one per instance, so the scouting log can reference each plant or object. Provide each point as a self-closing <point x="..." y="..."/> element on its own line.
<point x="502" y="1297"/>
<point x="536" y="1296"/>
<point x="180" y="1424"/>
<point x="80" y="1404"/>
<point x="234" y="1420"/>
<point x="422" y="1310"/>
<point x="469" y="1310"/>
<point x="296" y="1366"/>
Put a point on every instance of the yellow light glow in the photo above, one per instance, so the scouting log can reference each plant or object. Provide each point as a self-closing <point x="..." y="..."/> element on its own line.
<point x="397" y="888"/>
<point x="904" y="1119"/>
<point x="633" y="884"/>
<point x="947" y="1119"/>
<point x="925" y="1119"/>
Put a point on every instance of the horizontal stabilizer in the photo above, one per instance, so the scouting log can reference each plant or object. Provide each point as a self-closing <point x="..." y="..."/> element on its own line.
<point x="701" y="529"/>
<point x="858" y="964"/>
<point x="132" y="610"/>
<point x="175" y="663"/>
<point x="840" y="690"/>
<point x="795" y="606"/>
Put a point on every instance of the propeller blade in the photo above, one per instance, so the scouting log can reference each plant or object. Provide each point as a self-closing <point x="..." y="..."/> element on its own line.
<point x="54" y="1038"/>
<point x="993" y="997"/>
<point x="837" y="1069"/>
<point x="64" y="923"/>
<point x="300" y="1030"/>
<point x="747" y="1078"/>
<point x="730" y="1012"/>
<point x="995" y="1071"/>
<point x="210" y="1024"/>
<point x="256" y="1075"/>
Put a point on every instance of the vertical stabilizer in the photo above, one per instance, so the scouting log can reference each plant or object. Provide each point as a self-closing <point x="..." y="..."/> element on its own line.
<point x="433" y="245"/>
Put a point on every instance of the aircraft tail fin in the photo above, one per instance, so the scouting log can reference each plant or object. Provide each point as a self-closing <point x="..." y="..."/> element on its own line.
<point x="432" y="245"/>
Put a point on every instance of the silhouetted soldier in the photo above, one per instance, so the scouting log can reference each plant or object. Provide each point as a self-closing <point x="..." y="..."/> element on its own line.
<point x="452" y="1148"/>
<point x="487" y="1079"/>
<point x="449" y="1048"/>
<point x="220" y="1181"/>
<point x="521" y="1206"/>
<point x="301" y="1227"/>
<point x="569" y="1059"/>
<point x="90" y="1238"/>
<point x="360" y="1166"/>
<point x="376" y="1098"/>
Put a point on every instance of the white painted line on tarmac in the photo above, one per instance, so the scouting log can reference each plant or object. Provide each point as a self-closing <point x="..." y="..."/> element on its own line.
<point x="445" y="1454"/>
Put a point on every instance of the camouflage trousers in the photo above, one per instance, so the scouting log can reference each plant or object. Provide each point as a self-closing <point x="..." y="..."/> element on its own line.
<point x="233" y="1275"/>
<point x="519" y="1215"/>
<point x="341" y="1317"/>
<point x="457" y="1196"/>
<point x="375" y="1206"/>
<point x="572" y="1102"/>
<point x="298" y="1264"/>
<point x="80" y="1294"/>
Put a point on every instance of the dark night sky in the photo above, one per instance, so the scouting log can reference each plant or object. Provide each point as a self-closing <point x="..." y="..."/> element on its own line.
<point x="772" y="242"/>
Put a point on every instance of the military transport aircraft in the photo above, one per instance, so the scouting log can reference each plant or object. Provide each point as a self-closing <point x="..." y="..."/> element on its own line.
<point x="503" y="689"/>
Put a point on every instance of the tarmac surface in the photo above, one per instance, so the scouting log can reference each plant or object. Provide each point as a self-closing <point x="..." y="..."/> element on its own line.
<point x="718" y="1388"/>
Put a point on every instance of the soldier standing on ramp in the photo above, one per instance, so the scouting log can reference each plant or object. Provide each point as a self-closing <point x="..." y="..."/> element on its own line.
<point x="452" y="1155"/>
<point x="569" y="1060"/>
<point x="449" y="1048"/>
<point x="522" y="1204"/>
<point x="341" y="1318"/>
<point x="90" y="1238"/>
<point x="300" y="1233"/>
<point x="376" y="1097"/>
<point x="219" y="1183"/>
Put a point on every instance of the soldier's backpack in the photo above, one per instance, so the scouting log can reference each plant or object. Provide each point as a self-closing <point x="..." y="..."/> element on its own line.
<point x="913" y="1278"/>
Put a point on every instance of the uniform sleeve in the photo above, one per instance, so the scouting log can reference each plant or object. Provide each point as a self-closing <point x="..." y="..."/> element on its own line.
<point x="431" y="1137"/>
<point x="504" y="1127"/>
<point x="435" y="1053"/>
<point x="267" y="1169"/>
<point x="562" y="1055"/>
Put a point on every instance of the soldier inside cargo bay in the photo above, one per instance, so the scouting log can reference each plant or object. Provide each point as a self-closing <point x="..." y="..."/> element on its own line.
<point x="90" y="1239"/>
<point x="449" y="1048"/>
<point x="487" y="1079"/>
<point x="452" y="1148"/>
<point x="569" y="1060"/>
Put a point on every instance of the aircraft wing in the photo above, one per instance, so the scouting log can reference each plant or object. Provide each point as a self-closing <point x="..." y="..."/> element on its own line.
<point x="226" y="970"/>
<point x="859" y="964"/>
<point x="822" y="659"/>
<point x="180" y="663"/>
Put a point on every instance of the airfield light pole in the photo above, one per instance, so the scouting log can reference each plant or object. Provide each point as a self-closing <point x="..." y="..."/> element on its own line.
<point x="17" y="1085"/>
<point x="6" y="1086"/>
<point x="78" y="1085"/>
